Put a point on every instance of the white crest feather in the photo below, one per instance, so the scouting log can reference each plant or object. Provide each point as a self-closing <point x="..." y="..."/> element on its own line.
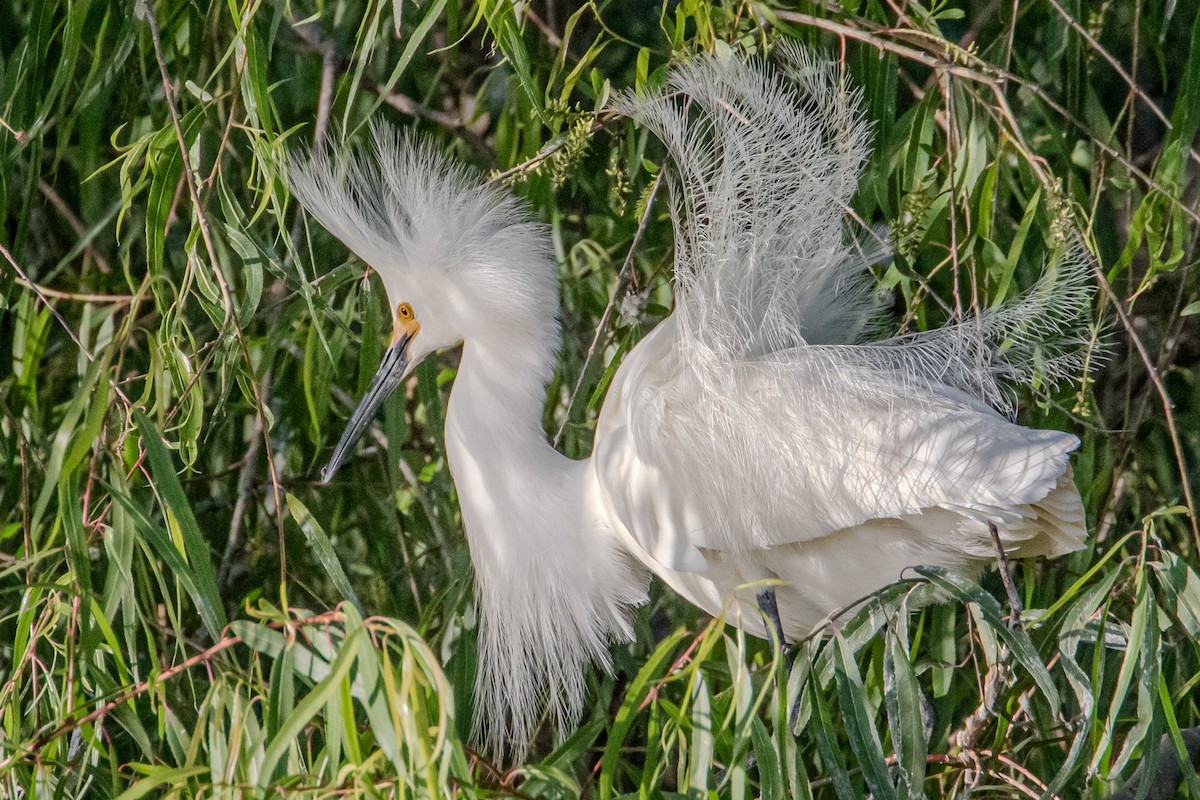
<point x="419" y="219"/>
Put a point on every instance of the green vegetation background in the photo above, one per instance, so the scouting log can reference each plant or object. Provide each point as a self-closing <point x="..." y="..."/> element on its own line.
<point x="185" y="612"/>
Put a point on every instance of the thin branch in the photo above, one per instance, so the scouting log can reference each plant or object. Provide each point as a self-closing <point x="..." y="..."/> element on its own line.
<point x="1152" y="372"/>
<point x="886" y="45"/>
<point x="24" y="277"/>
<point x="20" y="136"/>
<point x="982" y="73"/>
<point x="245" y="484"/>
<point x="1014" y="599"/>
<point x="71" y="723"/>
<point x="189" y="172"/>
<point x="76" y="225"/>
<point x="79" y="297"/>
<point x="623" y="278"/>
<point x="1130" y="81"/>
<point x="311" y="33"/>
<point x="547" y="151"/>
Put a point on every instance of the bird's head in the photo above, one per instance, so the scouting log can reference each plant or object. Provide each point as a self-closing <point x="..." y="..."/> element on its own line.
<point x="460" y="260"/>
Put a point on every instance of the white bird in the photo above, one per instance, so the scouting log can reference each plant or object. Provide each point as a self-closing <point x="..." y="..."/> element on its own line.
<point x="756" y="435"/>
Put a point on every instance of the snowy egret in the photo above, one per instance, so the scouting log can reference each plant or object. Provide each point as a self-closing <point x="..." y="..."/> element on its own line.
<point x="759" y="434"/>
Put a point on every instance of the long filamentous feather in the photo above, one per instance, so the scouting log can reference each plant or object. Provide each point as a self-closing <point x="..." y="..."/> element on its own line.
<point x="766" y="163"/>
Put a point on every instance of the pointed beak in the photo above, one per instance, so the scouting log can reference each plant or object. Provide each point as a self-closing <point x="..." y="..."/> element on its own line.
<point x="391" y="372"/>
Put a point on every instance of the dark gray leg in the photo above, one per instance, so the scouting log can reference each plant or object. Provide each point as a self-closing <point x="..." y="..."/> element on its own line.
<point x="770" y="607"/>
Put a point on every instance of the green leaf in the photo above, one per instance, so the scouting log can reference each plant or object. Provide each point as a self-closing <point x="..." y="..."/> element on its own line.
<point x="207" y="598"/>
<point x="1009" y="268"/>
<point x="825" y="732"/>
<point x="289" y="732"/>
<point x="860" y="723"/>
<point x="70" y="511"/>
<point x="161" y="777"/>
<point x="770" y="776"/>
<point x="902" y="696"/>
<point x="502" y="20"/>
<point x="322" y="548"/>
<point x="211" y="615"/>
<point x="622" y="723"/>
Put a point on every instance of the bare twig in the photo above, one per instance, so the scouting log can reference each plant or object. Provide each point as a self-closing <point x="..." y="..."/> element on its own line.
<point x="872" y="38"/>
<point x="20" y="136"/>
<point x="76" y="224"/>
<point x="71" y="723"/>
<point x="1129" y="80"/>
<point x="61" y="321"/>
<point x="1152" y="373"/>
<point x="189" y="172"/>
<point x="547" y="151"/>
<point x="982" y="73"/>
<point x="245" y="485"/>
<point x="79" y="297"/>
<point x="623" y="278"/>
<point x="314" y="37"/>
<point x="1014" y="599"/>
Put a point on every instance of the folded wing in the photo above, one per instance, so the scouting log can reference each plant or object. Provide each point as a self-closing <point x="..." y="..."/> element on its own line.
<point x="797" y="446"/>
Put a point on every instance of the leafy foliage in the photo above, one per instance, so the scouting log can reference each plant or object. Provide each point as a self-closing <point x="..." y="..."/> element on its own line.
<point x="185" y="612"/>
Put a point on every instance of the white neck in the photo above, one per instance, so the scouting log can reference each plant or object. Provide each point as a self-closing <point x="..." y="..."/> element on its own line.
<point x="503" y="467"/>
<point x="553" y="586"/>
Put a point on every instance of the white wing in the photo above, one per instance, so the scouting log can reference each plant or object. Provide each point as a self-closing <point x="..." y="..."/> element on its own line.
<point x="754" y="416"/>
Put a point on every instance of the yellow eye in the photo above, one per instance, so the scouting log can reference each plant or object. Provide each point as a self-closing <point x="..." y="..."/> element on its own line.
<point x="404" y="311"/>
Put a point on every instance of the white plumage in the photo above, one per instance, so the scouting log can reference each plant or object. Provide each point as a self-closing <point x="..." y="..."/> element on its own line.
<point x="755" y="434"/>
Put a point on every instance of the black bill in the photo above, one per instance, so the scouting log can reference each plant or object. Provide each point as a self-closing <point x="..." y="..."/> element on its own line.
<point x="387" y="378"/>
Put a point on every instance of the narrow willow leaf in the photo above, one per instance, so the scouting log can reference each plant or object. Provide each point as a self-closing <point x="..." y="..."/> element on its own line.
<point x="1073" y="632"/>
<point x="902" y="696"/>
<point x="66" y="439"/>
<point x="375" y="698"/>
<point x="322" y="548"/>
<point x="770" y="776"/>
<point x="196" y="547"/>
<point x="69" y="512"/>
<point x="826" y="733"/>
<point x="160" y="543"/>
<point x="152" y="784"/>
<point x="1148" y="656"/>
<point x="1009" y="268"/>
<point x="1129" y="667"/>
<point x="860" y="723"/>
<point x="700" y="753"/>
<point x="289" y="732"/>
<point x="622" y="723"/>
<point x="1180" y="587"/>
<point x="282" y="698"/>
